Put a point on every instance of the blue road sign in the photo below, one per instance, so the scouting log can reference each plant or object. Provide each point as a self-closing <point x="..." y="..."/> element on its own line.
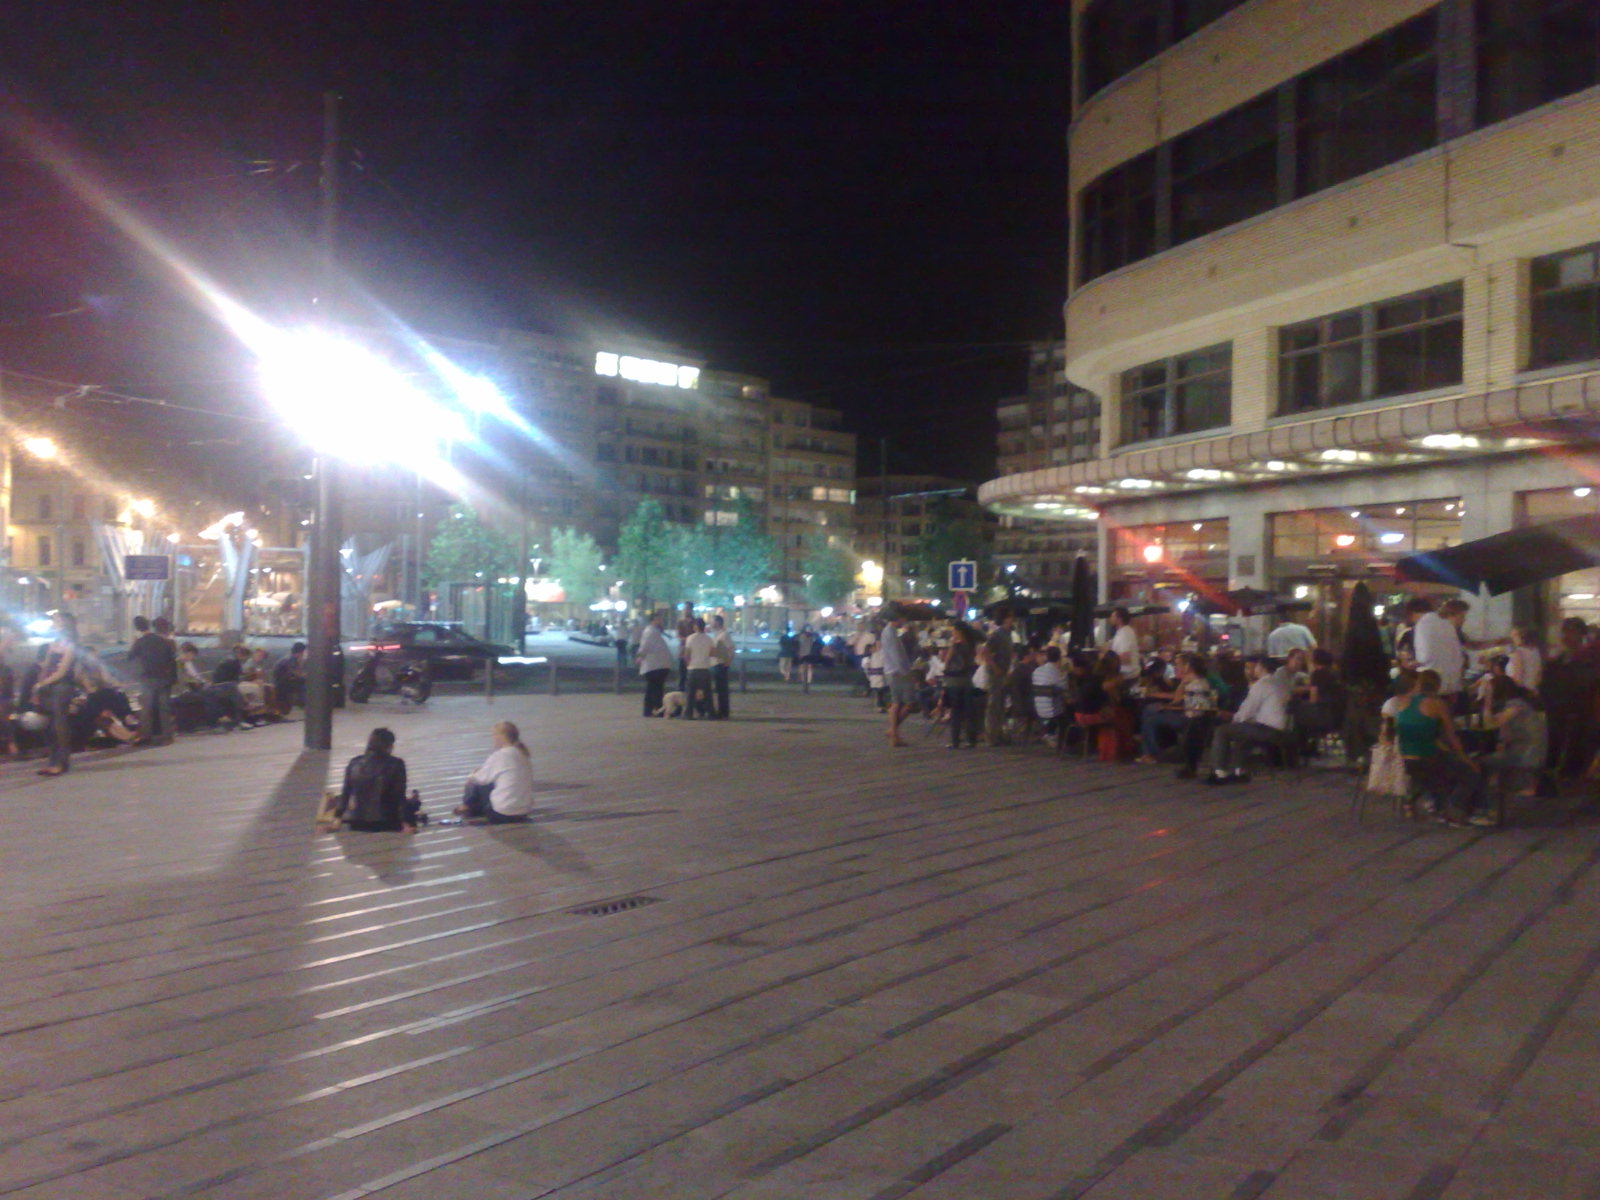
<point x="964" y="576"/>
<point x="146" y="568"/>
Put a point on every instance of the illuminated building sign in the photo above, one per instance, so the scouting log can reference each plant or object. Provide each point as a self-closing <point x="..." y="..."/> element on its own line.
<point x="646" y="370"/>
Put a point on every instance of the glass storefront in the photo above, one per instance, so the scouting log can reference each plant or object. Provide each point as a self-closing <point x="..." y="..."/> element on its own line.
<point x="1546" y="605"/>
<point x="1317" y="555"/>
<point x="1168" y="564"/>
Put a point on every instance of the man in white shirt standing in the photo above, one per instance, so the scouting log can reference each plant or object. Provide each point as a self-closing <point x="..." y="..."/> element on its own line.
<point x="1262" y="720"/>
<point x="655" y="663"/>
<point x="697" y="657"/>
<point x="1436" y="642"/>
<point x="1125" y="643"/>
<point x="1289" y="635"/>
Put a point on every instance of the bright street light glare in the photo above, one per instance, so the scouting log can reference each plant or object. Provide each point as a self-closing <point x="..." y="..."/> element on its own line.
<point x="40" y="447"/>
<point x="350" y="403"/>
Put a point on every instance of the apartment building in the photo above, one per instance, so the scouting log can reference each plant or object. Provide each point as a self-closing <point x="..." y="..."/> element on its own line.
<point x="1336" y="281"/>
<point x="811" y="489"/>
<point x="1052" y="424"/>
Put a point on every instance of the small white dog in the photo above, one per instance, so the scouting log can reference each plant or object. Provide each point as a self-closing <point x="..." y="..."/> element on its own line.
<point x="673" y="704"/>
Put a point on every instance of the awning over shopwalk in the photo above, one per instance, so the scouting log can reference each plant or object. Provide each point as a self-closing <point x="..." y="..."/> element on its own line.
<point x="1506" y="561"/>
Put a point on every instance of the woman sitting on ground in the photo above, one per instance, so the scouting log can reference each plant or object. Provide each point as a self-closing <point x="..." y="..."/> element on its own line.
<point x="501" y="791"/>
<point x="374" y="797"/>
<point x="1434" y="757"/>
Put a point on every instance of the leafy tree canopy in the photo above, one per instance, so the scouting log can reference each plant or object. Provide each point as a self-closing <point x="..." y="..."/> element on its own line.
<point x="948" y="537"/>
<point x="465" y="550"/>
<point x="832" y="575"/>
<point x="575" y="560"/>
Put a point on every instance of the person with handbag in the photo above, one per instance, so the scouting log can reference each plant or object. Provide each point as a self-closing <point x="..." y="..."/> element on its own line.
<point x="56" y="688"/>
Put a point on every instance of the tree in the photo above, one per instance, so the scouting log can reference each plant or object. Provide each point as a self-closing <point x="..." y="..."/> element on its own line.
<point x="465" y="550"/>
<point x="645" y="555"/>
<point x="575" y="560"/>
<point x="948" y="537"/>
<point x="831" y="575"/>
<point x="740" y="555"/>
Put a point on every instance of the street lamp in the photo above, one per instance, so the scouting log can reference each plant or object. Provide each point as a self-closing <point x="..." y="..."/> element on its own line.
<point x="41" y="448"/>
<point x="348" y="404"/>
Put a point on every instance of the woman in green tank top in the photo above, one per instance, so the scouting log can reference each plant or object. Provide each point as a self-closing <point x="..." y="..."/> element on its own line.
<point x="1434" y="757"/>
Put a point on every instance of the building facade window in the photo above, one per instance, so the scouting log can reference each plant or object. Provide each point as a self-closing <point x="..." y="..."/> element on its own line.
<point x="80" y="552"/>
<point x="45" y="552"/>
<point x="1407" y="344"/>
<point x="1119" y="35"/>
<point x="1531" y="52"/>
<point x="1226" y="170"/>
<point x="1188" y="393"/>
<point x="1368" y="107"/>
<point x="1565" y="316"/>
<point x="1373" y="105"/>
<point x="46" y="506"/>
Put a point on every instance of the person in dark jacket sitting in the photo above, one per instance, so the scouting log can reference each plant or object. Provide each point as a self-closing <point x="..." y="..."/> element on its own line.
<point x="374" y="796"/>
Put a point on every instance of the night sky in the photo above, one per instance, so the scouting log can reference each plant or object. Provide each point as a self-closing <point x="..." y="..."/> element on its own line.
<point x="864" y="202"/>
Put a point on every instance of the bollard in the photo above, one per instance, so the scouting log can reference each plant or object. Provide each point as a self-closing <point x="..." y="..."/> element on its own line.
<point x="616" y="677"/>
<point x="744" y="675"/>
<point x="555" y="687"/>
<point x="805" y="683"/>
<point x="488" y="681"/>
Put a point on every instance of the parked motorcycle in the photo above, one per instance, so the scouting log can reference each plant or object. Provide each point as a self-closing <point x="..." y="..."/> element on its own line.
<point x="411" y="681"/>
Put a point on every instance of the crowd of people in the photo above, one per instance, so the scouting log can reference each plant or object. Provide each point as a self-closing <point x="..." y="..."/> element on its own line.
<point x="68" y="698"/>
<point x="702" y="653"/>
<point x="1468" y="722"/>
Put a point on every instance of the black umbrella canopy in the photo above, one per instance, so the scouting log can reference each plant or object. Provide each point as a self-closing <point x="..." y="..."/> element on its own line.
<point x="1363" y="660"/>
<point x="1134" y="610"/>
<point x="1244" y="602"/>
<point x="1506" y="561"/>
<point x="1081" y="633"/>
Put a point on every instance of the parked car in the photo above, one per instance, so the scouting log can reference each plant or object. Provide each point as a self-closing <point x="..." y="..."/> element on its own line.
<point x="450" y="651"/>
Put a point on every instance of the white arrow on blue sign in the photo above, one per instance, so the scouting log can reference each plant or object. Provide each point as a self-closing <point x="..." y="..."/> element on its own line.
<point x="963" y="576"/>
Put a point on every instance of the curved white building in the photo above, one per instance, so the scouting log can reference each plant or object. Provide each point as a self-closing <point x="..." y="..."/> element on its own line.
<point x="1336" y="279"/>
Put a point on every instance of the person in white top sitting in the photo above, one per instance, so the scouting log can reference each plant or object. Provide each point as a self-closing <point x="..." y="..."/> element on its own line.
<point x="1263" y="718"/>
<point x="1125" y="643"/>
<point x="501" y="791"/>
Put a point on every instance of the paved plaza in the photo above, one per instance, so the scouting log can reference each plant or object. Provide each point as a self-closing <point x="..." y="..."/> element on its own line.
<point x="771" y="959"/>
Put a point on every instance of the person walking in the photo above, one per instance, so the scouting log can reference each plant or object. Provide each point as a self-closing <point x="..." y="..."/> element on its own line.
<point x="806" y="653"/>
<point x="154" y="660"/>
<point x="655" y="663"/>
<point x="1002" y="655"/>
<point x="56" y="688"/>
<point x="697" y="657"/>
<point x="788" y="651"/>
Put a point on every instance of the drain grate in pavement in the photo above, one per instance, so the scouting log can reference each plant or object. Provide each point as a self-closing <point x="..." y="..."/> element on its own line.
<point x="607" y="907"/>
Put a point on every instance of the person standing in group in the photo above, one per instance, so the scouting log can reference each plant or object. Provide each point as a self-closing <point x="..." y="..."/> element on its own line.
<point x="1002" y="654"/>
<point x="55" y="689"/>
<point x="686" y="628"/>
<point x="1289" y="635"/>
<point x="788" y="651"/>
<point x="655" y="663"/>
<point x="806" y="652"/>
<point x="1436" y="642"/>
<point x="1525" y="663"/>
<point x="500" y="792"/>
<point x="635" y="634"/>
<point x="722" y="652"/>
<point x="960" y="664"/>
<point x="1125" y="643"/>
<point x="154" y="660"/>
<point x="896" y="675"/>
<point x="697" y="657"/>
